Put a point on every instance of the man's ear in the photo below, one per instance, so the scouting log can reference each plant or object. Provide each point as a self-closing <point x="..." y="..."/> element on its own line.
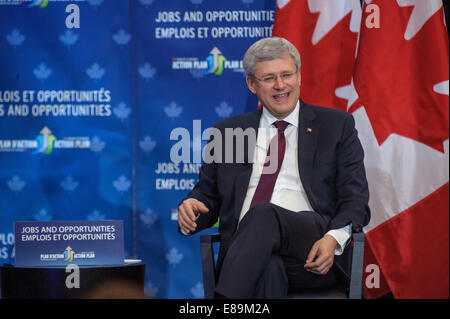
<point x="250" y="84"/>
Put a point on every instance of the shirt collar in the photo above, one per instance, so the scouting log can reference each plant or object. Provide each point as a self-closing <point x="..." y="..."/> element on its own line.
<point x="268" y="119"/>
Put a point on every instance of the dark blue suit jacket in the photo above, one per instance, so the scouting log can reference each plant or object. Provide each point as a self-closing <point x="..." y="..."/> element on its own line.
<point x="331" y="168"/>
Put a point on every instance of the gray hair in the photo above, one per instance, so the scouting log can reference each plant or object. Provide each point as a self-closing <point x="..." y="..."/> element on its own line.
<point x="269" y="49"/>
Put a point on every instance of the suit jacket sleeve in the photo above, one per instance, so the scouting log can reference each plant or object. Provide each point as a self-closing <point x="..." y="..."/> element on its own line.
<point x="205" y="190"/>
<point x="351" y="183"/>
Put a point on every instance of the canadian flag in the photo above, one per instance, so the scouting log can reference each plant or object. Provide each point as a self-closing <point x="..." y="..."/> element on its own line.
<point x="326" y="33"/>
<point x="394" y="79"/>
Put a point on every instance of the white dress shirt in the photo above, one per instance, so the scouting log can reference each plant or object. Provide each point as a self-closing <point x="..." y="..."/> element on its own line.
<point x="288" y="192"/>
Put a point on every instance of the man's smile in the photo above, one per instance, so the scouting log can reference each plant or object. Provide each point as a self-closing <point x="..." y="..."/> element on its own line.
<point x="282" y="96"/>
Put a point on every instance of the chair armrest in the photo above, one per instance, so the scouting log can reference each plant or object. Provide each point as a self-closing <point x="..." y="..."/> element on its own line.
<point x="356" y="277"/>
<point x="208" y="264"/>
<point x="211" y="238"/>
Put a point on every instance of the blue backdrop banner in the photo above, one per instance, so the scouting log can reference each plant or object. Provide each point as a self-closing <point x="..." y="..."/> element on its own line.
<point x="93" y="96"/>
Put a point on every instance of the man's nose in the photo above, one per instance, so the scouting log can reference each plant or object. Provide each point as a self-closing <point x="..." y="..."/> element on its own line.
<point x="279" y="82"/>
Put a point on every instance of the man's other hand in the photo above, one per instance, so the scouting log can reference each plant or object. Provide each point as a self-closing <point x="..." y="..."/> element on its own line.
<point x="321" y="256"/>
<point x="188" y="212"/>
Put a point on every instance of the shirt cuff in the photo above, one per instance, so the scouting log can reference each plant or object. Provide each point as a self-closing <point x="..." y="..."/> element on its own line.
<point x="183" y="232"/>
<point x="342" y="235"/>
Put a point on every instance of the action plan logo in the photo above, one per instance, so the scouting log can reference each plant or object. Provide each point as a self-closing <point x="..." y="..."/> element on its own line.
<point x="40" y="3"/>
<point x="68" y="255"/>
<point x="44" y="143"/>
<point x="214" y="64"/>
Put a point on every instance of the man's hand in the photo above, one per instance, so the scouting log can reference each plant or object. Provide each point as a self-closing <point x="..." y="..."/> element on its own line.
<point x="187" y="214"/>
<point x="321" y="256"/>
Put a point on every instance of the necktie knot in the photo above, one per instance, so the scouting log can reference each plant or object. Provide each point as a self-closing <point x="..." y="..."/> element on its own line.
<point x="281" y="126"/>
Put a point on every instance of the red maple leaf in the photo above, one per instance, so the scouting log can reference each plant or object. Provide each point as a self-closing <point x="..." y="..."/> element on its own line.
<point x="326" y="65"/>
<point x="395" y="77"/>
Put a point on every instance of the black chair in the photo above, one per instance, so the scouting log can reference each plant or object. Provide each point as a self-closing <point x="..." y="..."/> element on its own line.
<point x="348" y="267"/>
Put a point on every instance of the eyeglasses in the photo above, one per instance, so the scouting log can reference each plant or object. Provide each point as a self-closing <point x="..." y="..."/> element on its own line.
<point x="272" y="78"/>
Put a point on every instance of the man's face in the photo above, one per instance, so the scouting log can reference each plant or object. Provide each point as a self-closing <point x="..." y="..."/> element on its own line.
<point x="277" y="85"/>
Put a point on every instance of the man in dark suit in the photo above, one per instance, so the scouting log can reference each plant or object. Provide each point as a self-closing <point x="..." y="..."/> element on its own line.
<point x="293" y="201"/>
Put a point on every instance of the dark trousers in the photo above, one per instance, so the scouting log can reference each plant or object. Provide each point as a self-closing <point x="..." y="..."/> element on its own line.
<point x="268" y="251"/>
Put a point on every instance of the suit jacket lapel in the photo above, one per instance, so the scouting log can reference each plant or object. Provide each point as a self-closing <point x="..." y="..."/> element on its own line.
<point x="308" y="132"/>
<point x="245" y="170"/>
